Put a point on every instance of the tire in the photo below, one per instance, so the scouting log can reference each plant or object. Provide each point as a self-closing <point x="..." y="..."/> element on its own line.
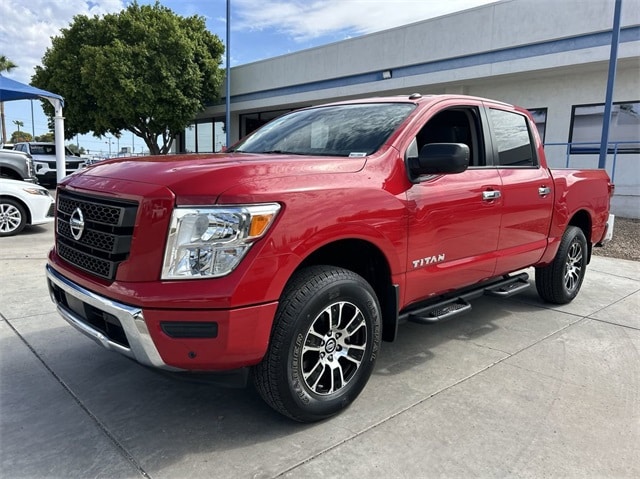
<point x="560" y="281"/>
<point x="13" y="217"/>
<point x="324" y="343"/>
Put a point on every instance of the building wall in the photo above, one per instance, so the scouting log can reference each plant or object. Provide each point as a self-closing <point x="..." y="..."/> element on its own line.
<point x="492" y="28"/>
<point x="537" y="54"/>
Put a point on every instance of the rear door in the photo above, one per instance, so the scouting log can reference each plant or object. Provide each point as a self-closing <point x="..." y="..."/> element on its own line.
<point x="527" y="190"/>
<point x="454" y="220"/>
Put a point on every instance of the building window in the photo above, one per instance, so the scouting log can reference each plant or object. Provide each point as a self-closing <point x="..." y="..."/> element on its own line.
<point x="512" y="138"/>
<point x="206" y="136"/>
<point x="540" y="119"/>
<point x="250" y="122"/>
<point x="624" y="128"/>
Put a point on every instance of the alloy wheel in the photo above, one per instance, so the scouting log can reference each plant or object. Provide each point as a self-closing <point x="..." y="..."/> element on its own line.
<point x="334" y="348"/>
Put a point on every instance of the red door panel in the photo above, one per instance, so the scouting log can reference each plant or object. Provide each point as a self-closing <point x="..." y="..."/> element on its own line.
<point x="453" y="232"/>
<point x="527" y="196"/>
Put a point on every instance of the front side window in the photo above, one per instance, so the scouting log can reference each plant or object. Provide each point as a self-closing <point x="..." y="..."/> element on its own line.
<point x="513" y="142"/>
<point x="340" y="130"/>
<point x="456" y="125"/>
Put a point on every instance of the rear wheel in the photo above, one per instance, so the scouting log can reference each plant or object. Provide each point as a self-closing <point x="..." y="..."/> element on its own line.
<point x="13" y="217"/>
<point x="324" y="343"/>
<point x="560" y="281"/>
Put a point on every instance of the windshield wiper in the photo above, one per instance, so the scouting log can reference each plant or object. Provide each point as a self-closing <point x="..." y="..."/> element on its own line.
<point x="281" y="152"/>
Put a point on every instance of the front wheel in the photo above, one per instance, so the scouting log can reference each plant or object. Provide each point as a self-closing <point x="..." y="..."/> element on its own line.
<point x="560" y="281"/>
<point x="13" y="217"/>
<point x="324" y="343"/>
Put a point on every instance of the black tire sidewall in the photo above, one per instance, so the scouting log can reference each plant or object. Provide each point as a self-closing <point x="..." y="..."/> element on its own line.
<point x="309" y="405"/>
<point x="573" y="234"/>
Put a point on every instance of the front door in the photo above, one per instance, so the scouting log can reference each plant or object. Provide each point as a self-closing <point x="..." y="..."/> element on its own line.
<point x="454" y="220"/>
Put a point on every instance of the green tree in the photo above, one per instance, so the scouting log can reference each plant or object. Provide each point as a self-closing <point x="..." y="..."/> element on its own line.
<point x="6" y="65"/>
<point x="18" y="136"/>
<point x="18" y="123"/>
<point x="145" y="70"/>
<point x="75" y="149"/>
<point x="48" y="137"/>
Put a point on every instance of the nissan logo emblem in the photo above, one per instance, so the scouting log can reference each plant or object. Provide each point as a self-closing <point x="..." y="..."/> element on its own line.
<point x="76" y="223"/>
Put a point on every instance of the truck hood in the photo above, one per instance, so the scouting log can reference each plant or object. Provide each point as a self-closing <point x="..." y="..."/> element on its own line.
<point x="210" y="175"/>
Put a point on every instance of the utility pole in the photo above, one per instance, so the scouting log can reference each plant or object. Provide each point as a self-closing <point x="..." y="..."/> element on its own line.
<point x="228" y="89"/>
<point x="613" y="61"/>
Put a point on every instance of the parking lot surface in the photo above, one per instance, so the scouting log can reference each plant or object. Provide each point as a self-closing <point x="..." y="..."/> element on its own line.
<point x="514" y="388"/>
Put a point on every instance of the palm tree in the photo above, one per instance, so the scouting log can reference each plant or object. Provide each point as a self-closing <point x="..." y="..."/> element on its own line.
<point x="18" y="123"/>
<point x="6" y="65"/>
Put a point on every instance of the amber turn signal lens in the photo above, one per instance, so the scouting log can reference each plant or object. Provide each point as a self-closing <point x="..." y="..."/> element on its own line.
<point x="258" y="224"/>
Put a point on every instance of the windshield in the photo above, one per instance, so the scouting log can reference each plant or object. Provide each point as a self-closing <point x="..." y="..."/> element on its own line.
<point x="341" y="130"/>
<point x="47" y="150"/>
<point x="43" y="149"/>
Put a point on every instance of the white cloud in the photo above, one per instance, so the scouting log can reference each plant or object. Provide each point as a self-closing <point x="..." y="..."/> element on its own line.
<point x="27" y="27"/>
<point x="304" y="20"/>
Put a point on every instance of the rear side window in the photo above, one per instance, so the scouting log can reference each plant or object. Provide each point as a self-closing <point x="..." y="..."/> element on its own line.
<point x="512" y="138"/>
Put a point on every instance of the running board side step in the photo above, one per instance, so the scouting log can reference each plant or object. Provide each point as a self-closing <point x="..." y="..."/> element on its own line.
<point x="445" y="309"/>
<point x="440" y="311"/>
<point x="509" y="287"/>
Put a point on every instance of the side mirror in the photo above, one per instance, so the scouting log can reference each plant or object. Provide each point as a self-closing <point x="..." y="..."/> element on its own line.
<point x="440" y="159"/>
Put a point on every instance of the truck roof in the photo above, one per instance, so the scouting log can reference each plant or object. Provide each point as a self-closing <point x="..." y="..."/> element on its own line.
<point x="417" y="98"/>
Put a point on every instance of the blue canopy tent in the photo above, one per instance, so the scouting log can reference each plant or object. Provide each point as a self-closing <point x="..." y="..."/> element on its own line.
<point x="14" y="90"/>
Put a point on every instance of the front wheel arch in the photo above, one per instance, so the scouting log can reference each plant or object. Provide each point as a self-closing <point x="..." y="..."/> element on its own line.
<point x="14" y="216"/>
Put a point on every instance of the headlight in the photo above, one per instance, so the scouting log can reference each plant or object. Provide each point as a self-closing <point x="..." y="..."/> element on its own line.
<point x="30" y="167"/>
<point x="209" y="242"/>
<point x="36" y="191"/>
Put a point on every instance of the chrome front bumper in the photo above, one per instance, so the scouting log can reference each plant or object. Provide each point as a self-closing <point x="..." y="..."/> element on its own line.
<point x="140" y="348"/>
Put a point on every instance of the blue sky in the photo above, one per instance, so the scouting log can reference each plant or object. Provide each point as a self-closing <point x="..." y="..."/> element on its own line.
<point x="260" y="29"/>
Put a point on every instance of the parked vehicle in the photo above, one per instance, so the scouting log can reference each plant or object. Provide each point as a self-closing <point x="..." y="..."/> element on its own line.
<point x="297" y="251"/>
<point x="17" y="165"/>
<point x="23" y="204"/>
<point x="44" y="160"/>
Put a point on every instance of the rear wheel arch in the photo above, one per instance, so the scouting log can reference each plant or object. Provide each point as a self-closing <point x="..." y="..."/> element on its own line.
<point x="559" y="282"/>
<point x="582" y="219"/>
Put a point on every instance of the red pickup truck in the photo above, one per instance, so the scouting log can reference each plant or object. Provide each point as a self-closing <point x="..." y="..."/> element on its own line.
<point x="291" y="256"/>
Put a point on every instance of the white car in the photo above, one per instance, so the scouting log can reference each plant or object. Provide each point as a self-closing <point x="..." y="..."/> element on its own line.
<point x="22" y="204"/>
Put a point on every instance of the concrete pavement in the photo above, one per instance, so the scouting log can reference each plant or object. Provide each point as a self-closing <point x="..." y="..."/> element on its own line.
<point x="515" y="388"/>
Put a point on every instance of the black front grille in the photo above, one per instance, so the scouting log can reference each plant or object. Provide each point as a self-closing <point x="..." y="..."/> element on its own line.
<point x="104" y="322"/>
<point x="105" y="239"/>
